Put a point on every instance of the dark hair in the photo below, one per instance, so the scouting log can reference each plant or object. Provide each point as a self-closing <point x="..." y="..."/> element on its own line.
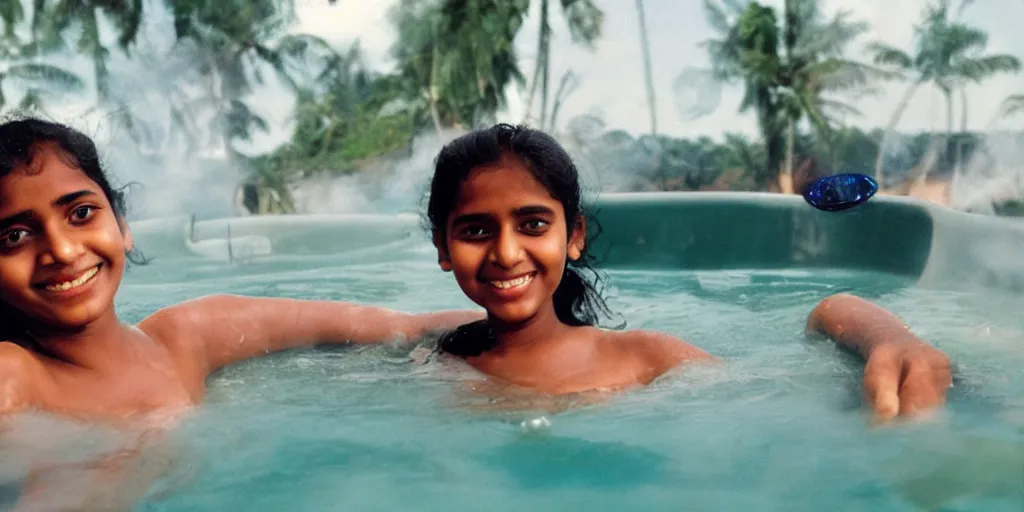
<point x="577" y="300"/>
<point x="20" y="141"/>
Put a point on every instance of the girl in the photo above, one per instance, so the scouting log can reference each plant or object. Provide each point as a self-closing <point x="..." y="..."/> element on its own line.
<point x="507" y="220"/>
<point x="64" y="245"/>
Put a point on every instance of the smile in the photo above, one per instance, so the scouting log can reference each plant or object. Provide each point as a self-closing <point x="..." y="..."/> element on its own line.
<point x="513" y="283"/>
<point x="74" y="283"/>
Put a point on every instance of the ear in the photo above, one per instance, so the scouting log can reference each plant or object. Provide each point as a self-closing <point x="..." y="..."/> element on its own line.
<point x="578" y="239"/>
<point x="442" y="252"/>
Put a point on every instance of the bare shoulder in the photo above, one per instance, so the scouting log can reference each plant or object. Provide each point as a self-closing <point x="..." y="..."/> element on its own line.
<point x="656" y="350"/>
<point x="184" y="319"/>
<point x="177" y="327"/>
<point x="19" y="373"/>
<point x="183" y="313"/>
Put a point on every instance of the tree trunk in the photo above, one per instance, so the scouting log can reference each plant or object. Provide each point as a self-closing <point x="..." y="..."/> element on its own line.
<point x="432" y="93"/>
<point x="944" y="145"/>
<point x="544" y="72"/>
<point x="938" y="147"/>
<point x="541" y="59"/>
<point x="893" y="121"/>
<point x="785" y="178"/>
<point x="963" y="130"/>
<point x="564" y="90"/>
<point x="648" y="75"/>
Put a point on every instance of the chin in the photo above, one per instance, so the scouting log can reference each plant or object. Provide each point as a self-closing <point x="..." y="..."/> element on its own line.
<point x="512" y="315"/>
<point x="78" y="317"/>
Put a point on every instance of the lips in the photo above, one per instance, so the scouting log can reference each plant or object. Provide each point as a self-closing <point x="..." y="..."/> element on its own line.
<point x="68" y="281"/>
<point x="512" y="283"/>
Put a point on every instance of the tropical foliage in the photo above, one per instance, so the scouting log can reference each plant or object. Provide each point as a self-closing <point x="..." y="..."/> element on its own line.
<point x="948" y="54"/>
<point x="454" y="62"/>
<point x="792" y="68"/>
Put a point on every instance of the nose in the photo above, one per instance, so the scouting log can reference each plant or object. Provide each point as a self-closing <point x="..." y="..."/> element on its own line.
<point x="506" y="251"/>
<point x="62" y="248"/>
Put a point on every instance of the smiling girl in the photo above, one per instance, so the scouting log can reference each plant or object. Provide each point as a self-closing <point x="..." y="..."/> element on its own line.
<point x="64" y="245"/>
<point x="507" y="220"/>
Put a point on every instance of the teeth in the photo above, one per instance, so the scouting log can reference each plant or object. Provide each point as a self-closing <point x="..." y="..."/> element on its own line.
<point x="65" y="286"/>
<point x="512" y="283"/>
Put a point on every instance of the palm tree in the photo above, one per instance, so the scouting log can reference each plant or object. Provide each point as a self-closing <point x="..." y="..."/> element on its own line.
<point x="54" y="19"/>
<point x="458" y="56"/>
<point x="947" y="54"/>
<point x="584" y="20"/>
<point x="19" y="67"/>
<point x="233" y="43"/>
<point x="787" y="69"/>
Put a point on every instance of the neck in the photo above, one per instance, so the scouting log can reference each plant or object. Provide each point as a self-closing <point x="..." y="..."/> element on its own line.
<point x="92" y="347"/>
<point x="543" y="326"/>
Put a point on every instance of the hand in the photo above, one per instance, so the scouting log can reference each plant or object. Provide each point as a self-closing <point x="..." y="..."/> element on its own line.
<point x="906" y="379"/>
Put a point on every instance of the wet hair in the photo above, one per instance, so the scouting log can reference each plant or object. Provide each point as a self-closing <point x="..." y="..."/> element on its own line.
<point x="21" y="140"/>
<point x="577" y="300"/>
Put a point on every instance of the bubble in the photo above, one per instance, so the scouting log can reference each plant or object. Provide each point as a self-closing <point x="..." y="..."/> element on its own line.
<point x="696" y="93"/>
<point x="536" y="424"/>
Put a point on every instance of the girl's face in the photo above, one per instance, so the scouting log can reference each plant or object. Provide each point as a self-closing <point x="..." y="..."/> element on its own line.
<point x="62" y="248"/>
<point x="506" y="242"/>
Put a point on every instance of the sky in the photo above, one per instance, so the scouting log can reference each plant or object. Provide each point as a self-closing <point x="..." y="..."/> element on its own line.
<point x="611" y="75"/>
<point x="611" y="79"/>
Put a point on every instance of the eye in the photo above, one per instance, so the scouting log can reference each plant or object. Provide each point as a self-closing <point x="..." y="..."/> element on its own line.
<point x="535" y="225"/>
<point x="82" y="213"/>
<point x="473" y="232"/>
<point x="13" y="238"/>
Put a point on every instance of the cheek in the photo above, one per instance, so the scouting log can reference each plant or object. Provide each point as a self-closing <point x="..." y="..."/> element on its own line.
<point x="465" y="261"/>
<point x="15" y="276"/>
<point x="111" y="242"/>
<point x="551" y="251"/>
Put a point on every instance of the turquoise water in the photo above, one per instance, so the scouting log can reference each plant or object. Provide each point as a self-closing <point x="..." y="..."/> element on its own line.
<point x="778" y="426"/>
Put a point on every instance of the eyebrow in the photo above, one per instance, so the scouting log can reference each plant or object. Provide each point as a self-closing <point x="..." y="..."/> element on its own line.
<point x="523" y="211"/>
<point x="60" y="202"/>
<point x="69" y="198"/>
<point x="533" y="210"/>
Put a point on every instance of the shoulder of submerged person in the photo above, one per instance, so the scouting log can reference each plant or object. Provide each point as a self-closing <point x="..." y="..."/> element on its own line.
<point x="658" y="348"/>
<point x="18" y="368"/>
<point x="185" y="314"/>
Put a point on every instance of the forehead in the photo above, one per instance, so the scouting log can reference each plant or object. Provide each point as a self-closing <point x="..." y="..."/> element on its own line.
<point x="502" y="186"/>
<point x="46" y="178"/>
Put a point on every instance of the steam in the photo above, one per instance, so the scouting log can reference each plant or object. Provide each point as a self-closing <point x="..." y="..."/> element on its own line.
<point x="994" y="174"/>
<point x="389" y="185"/>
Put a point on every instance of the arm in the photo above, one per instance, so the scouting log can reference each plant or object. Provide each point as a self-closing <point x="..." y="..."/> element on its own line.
<point x="903" y="373"/>
<point x="859" y="325"/>
<point x="15" y="380"/>
<point x="231" y="328"/>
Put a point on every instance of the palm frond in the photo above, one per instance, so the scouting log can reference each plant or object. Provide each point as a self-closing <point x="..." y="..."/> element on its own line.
<point x="1013" y="105"/>
<point x="980" y="68"/>
<point x="835" y="107"/>
<point x="885" y="55"/>
<point x="47" y="76"/>
<point x="830" y="38"/>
